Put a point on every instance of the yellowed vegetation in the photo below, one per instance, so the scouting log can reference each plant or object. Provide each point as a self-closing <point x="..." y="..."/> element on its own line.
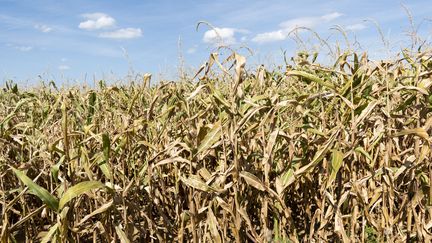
<point x="300" y="153"/>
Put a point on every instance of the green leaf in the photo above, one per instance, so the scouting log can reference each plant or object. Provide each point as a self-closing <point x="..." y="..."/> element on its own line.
<point x="356" y="63"/>
<point x="336" y="163"/>
<point x="312" y="78"/>
<point x="37" y="190"/>
<point x="365" y="112"/>
<point x="104" y="166"/>
<point x="91" y="106"/>
<point x="318" y="156"/>
<point x="106" y="146"/>
<point x="366" y="154"/>
<point x="221" y="100"/>
<point x="79" y="189"/>
<point x="55" y="169"/>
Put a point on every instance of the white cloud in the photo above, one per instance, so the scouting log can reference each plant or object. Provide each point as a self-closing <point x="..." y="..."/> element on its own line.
<point x="308" y="22"/>
<point x="95" y="21"/>
<point x="220" y="35"/>
<point x="331" y="16"/>
<point x="43" y="28"/>
<point x="288" y="26"/>
<point x="63" y="67"/>
<point x="277" y="35"/>
<point x="99" y="21"/>
<point x="355" y="27"/>
<point x="126" y="33"/>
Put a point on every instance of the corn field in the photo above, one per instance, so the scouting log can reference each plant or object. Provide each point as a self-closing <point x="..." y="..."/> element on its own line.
<point x="305" y="152"/>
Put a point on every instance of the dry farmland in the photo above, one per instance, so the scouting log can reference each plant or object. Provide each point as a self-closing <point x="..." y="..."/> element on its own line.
<point x="305" y="152"/>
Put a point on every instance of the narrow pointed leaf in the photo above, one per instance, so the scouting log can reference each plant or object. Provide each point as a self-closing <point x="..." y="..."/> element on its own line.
<point x="362" y="151"/>
<point x="121" y="234"/>
<point x="79" y="189"/>
<point x="37" y="190"/>
<point x="213" y="223"/>
<point x="104" y="166"/>
<point x="366" y="112"/>
<point x="197" y="184"/>
<point x="252" y="180"/>
<point x="318" y="156"/>
<point x="101" y="209"/>
<point x="49" y="235"/>
<point x="421" y="132"/>
<point x="312" y="78"/>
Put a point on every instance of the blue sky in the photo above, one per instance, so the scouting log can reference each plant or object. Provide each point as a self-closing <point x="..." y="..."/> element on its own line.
<point x="78" y="41"/>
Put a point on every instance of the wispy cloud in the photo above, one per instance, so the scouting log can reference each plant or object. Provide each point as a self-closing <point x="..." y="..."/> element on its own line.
<point x="20" y="47"/>
<point x="95" y="21"/>
<point x="331" y="16"/>
<point x="222" y="36"/>
<point x="355" y="27"/>
<point x="24" y="48"/>
<point x="288" y="26"/>
<point x="43" y="28"/>
<point x="126" y="33"/>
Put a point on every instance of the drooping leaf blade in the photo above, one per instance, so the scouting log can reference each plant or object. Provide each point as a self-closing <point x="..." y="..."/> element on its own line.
<point x="37" y="190"/>
<point x="79" y="189"/>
